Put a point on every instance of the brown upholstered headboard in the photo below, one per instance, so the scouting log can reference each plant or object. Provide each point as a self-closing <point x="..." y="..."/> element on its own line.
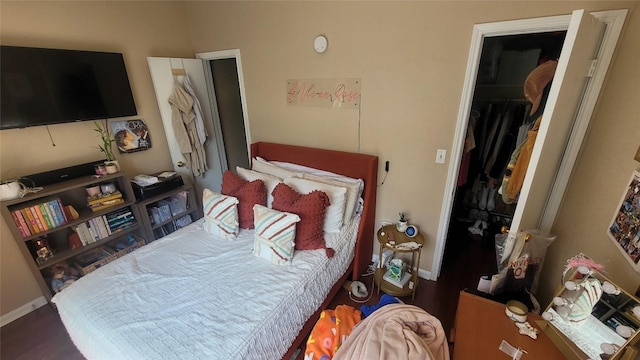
<point x="350" y="164"/>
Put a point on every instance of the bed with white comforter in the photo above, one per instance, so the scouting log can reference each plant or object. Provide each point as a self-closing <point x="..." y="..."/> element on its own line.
<point x="190" y="295"/>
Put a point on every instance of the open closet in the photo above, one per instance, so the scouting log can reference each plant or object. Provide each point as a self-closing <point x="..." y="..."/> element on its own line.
<point x="500" y="120"/>
<point x="501" y="56"/>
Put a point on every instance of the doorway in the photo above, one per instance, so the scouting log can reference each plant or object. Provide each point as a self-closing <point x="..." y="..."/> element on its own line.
<point x="586" y="39"/>
<point x="499" y="121"/>
<point x="218" y="84"/>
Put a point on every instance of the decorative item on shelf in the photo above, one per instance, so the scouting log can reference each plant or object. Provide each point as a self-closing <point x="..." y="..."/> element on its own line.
<point x="43" y="250"/>
<point x="111" y="165"/>
<point x="70" y="212"/>
<point x="93" y="190"/>
<point x="107" y="188"/>
<point x="411" y="231"/>
<point x="402" y="222"/>
<point x="396" y="269"/>
<point x="63" y="275"/>
<point x="100" y="169"/>
<point x="73" y="239"/>
<point x="12" y="189"/>
<point x="16" y="188"/>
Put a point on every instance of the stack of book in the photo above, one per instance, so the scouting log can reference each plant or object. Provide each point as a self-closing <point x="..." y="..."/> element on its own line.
<point x="39" y="218"/>
<point x="100" y="227"/>
<point x="103" y="201"/>
<point x="120" y="219"/>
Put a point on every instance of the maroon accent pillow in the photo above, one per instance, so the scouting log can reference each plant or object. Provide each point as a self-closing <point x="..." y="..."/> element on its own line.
<point x="248" y="194"/>
<point x="310" y="208"/>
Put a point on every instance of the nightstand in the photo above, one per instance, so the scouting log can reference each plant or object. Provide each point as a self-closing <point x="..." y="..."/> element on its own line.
<point x="385" y="234"/>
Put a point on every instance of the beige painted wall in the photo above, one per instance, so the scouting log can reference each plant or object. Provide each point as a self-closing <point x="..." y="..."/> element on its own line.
<point x="136" y="29"/>
<point x="411" y="57"/>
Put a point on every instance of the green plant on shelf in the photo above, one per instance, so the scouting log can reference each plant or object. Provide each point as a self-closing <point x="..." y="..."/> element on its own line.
<point x="107" y="140"/>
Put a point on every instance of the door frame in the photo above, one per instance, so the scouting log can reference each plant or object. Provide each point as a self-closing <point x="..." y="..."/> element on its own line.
<point x="228" y="54"/>
<point x="614" y="21"/>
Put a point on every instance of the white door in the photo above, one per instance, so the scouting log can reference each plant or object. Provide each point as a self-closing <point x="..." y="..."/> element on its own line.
<point x="582" y="42"/>
<point x="164" y="73"/>
<point x="579" y="50"/>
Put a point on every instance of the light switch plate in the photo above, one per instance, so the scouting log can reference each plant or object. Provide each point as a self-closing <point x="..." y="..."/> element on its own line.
<point x="441" y="155"/>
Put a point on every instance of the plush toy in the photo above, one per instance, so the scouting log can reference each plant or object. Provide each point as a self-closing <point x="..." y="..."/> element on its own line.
<point x="63" y="275"/>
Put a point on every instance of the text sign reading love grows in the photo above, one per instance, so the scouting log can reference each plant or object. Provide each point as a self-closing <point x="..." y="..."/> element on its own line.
<point x="336" y="93"/>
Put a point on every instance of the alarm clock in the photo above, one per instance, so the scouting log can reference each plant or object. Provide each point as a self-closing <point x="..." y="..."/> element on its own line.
<point x="411" y="231"/>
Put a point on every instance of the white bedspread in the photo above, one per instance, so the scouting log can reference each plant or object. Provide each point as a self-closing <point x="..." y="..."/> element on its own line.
<point x="191" y="296"/>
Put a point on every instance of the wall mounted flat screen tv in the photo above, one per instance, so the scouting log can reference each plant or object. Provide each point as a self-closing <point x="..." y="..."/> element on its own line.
<point x="52" y="86"/>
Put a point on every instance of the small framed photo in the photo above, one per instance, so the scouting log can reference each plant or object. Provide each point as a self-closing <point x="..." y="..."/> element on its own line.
<point x="625" y="225"/>
<point x="131" y="135"/>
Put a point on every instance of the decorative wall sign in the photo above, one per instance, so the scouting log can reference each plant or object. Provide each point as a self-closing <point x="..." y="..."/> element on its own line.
<point x="625" y="225"/>
<point x="336" y="93"/>
<point x="131" y="135"/>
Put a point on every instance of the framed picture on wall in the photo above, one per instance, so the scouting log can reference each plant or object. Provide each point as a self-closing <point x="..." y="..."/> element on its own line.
<point x="131" y="135"/>
<point x="625" y="225"/>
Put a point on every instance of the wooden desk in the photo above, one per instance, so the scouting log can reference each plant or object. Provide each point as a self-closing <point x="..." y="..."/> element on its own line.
<point x="482" y="324"/>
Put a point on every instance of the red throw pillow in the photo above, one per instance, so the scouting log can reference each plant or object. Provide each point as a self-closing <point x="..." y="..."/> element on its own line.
<point x="310" y="208"/>
<point x="248" y="194"/>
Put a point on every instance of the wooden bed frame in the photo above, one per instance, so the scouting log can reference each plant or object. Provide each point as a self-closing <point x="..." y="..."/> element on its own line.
<point x="354" y="165"/>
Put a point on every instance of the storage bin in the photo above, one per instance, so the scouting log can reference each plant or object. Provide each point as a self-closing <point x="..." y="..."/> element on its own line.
<point x="177" y="205"/>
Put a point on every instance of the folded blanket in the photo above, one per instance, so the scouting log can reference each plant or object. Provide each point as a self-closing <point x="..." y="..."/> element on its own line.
<point x="396" y="332"/>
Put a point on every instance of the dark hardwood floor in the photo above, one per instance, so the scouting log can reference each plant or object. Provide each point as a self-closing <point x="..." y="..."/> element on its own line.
<point x="41" y="334"/>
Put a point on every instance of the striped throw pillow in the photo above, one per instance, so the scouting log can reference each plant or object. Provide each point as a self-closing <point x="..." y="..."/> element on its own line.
<point x="274" y="234"/>
<point x="220" y="214"/>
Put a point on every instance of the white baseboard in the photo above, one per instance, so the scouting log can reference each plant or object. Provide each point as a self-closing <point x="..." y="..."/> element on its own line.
<point x="22" y="310"/>
<point x="424" y="274"/>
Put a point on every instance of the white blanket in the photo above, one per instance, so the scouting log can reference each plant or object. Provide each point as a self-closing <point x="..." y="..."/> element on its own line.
<point x="191" y="296"/>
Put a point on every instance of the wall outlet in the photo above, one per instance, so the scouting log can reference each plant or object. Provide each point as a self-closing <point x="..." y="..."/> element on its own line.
<point x="441" y="155"/>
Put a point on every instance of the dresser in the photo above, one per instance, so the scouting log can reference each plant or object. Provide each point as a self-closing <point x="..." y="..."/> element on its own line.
<point x="481" y="325"/>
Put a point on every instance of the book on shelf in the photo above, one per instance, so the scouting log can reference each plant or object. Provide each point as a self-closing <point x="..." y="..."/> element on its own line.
<point x="43" y="209"/>
<point x="39" y="218"/>
<point x="70" y="212"/>
<point x="21" y="224"/>
<point x="36" y="218"/>
<point x="92" y="231"/>
<point x="52" y="213"/>
<point x="83" y="232"/>
<point x="106" y="204"/>
<point x="59" y="208"/>
<point x="33" y="227"/>
<point x="101" y="198"/>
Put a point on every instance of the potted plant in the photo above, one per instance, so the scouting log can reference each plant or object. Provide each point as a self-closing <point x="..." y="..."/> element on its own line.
<point x="402" y="222"/>
<point x="107" y="140"/>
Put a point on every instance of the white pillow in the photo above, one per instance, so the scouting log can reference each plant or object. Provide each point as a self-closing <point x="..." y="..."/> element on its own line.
<point x="263" y="166"/>
<point x="321" y="173"/>
<point x="270" y="181"/>
<point x="275" y="231"/>
<point x="352" y="195"/>
<point x="220" y="214"/>
<point x="334" y="215"/>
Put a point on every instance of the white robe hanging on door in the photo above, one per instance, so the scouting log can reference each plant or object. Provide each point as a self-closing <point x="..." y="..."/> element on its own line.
<point x="183" y="121"/>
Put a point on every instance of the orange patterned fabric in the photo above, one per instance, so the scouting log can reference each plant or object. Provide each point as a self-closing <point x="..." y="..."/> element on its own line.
<point x="330" y="331"/>
<point x="248" y="193"/>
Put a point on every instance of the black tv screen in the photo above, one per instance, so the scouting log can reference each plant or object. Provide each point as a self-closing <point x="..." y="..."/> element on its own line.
<point x="51" y="86"/>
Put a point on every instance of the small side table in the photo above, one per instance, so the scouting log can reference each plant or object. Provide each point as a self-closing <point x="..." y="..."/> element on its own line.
<point x="384" y="235"/>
